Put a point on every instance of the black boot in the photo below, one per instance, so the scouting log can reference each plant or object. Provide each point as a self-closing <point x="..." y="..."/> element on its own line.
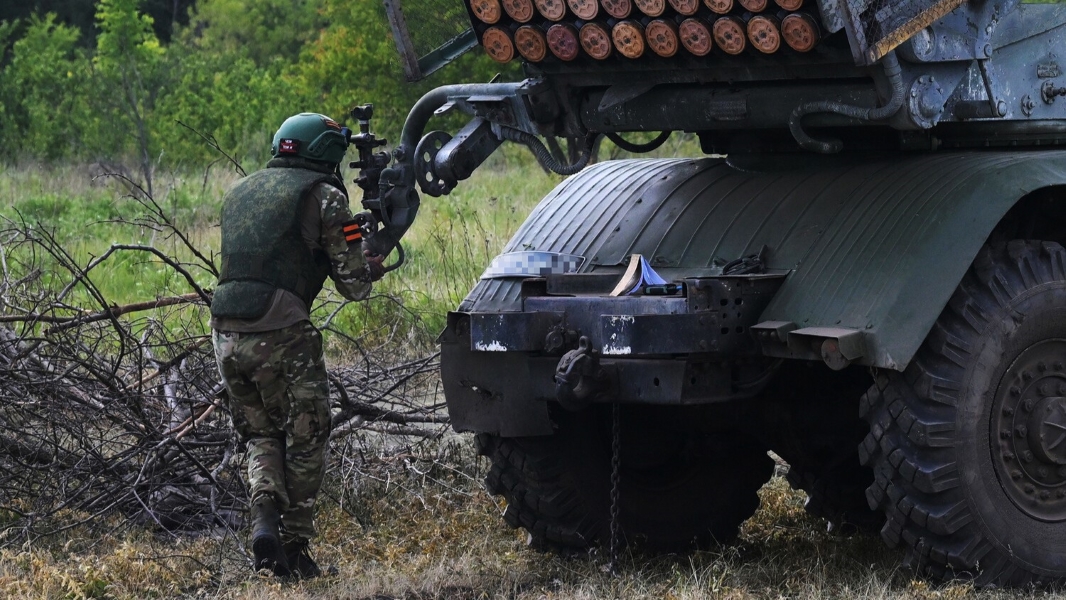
<point x="266" y="538"/>
<point x="300" y="562"/>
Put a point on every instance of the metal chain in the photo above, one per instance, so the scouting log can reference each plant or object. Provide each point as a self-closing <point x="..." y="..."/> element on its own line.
<point x="616" y="452"/>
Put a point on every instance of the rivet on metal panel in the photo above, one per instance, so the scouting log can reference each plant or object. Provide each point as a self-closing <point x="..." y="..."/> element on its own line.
<point x="1028" y="105"/>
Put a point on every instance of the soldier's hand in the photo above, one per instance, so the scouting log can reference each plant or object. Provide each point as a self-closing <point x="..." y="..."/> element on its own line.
<point x="376" y="264"/>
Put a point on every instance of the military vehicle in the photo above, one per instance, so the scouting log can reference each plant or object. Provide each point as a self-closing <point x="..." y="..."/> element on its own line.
<point x="865" y="274"/>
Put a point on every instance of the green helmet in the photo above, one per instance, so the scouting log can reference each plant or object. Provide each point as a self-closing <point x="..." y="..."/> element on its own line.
<point x="311" y="136"/>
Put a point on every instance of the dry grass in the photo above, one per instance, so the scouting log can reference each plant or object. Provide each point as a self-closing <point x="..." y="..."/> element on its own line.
<point x="416" y="524"/>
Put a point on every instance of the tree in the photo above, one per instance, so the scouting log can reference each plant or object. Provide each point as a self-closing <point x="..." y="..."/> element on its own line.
<point x="353" y="60"/>
<point x="225" y="97"/>
<point x="42" y="89"/>
<point x="129" y="60"/>
<point x="263" y="30"/>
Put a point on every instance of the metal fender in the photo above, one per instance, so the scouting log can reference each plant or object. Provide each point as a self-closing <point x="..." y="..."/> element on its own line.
<point x="872" y="244"/>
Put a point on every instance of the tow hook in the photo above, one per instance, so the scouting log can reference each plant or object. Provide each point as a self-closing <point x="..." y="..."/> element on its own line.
<point x="578" y="377"/>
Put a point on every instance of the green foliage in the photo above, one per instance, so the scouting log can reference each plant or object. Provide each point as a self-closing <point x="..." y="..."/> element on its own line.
<point x="232" y="74"/>
<point x="354" y="61"/>
<point x="264" y="31"/>
<point x="348" y="61"/>
<point x="40" y="89"/>
<point x="230" y="99"/>
<point x="7" y="34"/>
<point x="129" y="60"/>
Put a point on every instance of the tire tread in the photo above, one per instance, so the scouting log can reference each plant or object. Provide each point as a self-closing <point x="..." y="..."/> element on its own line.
<point x="911" y="417"/>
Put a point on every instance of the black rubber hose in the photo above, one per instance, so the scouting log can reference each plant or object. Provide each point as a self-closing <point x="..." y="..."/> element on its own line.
<point x="629" y="146"/>
<point x="795" y="121"/>
<point x="544" y="156"/>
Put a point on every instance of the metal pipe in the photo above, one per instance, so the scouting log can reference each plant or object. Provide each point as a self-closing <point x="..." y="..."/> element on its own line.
<point x="415" y="125"/>
<point x="544" y="156"/>
<point x="795" y="121"/>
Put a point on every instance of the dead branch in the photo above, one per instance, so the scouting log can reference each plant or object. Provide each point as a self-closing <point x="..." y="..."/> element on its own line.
<point x="116" y="408"/>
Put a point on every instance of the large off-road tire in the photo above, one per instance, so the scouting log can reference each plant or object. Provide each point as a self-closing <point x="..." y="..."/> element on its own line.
<point x="679" y="489"/>
<point x="968" y="444"/>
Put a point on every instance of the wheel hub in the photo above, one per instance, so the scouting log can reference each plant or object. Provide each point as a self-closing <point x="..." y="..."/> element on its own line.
<point x="1028" y="431"/>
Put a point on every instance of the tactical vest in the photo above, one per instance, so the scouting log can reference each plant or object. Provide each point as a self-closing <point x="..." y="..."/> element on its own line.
<point x="262" y="245"/>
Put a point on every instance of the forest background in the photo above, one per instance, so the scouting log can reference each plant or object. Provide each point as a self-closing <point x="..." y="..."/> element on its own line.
<point x="115" y="80"/>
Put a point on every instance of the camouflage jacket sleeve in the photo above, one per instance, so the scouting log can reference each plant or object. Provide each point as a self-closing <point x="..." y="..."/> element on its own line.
<point x="348" y="268"/>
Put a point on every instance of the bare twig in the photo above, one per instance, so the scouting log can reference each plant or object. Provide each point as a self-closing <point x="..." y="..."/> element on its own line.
<point x="112" y="407"/>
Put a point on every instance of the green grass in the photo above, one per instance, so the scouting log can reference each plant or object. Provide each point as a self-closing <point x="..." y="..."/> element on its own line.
<point x="452" y="240"/>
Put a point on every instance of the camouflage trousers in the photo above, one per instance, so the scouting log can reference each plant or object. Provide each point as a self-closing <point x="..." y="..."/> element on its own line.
<point x="279" y="398"/>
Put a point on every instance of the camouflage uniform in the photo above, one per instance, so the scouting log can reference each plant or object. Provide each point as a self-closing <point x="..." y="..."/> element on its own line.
<point x="275" y="375"/>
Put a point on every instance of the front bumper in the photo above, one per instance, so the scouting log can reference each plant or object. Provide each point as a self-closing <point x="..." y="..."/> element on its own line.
<point x="498" y="369"/>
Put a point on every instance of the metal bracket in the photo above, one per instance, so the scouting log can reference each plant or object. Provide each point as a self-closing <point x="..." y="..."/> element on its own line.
<point x="465" y="152"/>
<point x="837" y="347"/>
<point x="997" y="105"/>
<point x="773" y="331"/>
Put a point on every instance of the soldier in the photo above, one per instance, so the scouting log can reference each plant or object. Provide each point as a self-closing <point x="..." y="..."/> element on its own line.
<point x="285" y="228"/>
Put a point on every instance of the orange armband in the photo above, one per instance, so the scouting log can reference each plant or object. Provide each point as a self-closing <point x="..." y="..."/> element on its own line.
<point x="353" y="232"/>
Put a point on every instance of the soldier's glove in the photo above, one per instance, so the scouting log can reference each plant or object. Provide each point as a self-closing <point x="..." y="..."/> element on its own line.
<point x="375" y="264"/>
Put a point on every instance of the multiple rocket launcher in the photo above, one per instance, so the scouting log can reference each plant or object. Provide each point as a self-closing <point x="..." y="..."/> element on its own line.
<point x="534" y="30"/>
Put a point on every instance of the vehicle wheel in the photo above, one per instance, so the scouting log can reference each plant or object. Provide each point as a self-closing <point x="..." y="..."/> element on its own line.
<point x="679" y="489"/>
<point x="967" y="444"/>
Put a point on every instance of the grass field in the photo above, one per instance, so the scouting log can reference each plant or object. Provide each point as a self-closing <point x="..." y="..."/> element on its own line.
<point x="432" y="532"/>
<point x="416" y="521"/>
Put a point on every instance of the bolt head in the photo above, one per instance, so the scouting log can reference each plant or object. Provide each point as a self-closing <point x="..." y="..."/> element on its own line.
<point x="1041" y="366"/>
<point x="1015" y="475"/>
<point x="1029" y="489"/>
<point x="1008" y="411"/>
<point x="1021" y="431"/>
<point x="1042" y="472"/>
<point x="1044" y="494"/>
<point x="1027" y="376"/>
<point x="1027" y="405"/>
<point x="1015" y="392"/>
<point x="1027" y="456"/>
<point x="1008" y="456"/>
